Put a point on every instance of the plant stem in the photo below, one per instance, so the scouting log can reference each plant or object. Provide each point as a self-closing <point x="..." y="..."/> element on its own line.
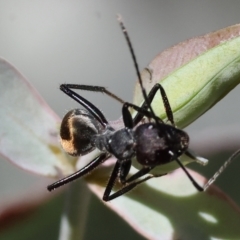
<point x="75" y="212"/>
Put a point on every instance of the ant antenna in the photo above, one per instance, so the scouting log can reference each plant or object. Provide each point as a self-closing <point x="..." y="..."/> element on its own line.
<point x="165" y="99"/>
<point x="119" y="18"/>
<point x="221" y="169"/>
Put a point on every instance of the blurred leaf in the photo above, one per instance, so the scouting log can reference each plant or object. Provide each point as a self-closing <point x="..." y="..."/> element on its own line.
<point x="36" y="223"/>
<point x="170" y="206"/>
<point x="28" y="133"/>
<point x="42" y="222"/>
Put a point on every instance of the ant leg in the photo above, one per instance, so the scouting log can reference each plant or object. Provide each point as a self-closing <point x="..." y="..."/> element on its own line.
<point x="138" y="174"/>
<point x="166" y="103"/>
<point x="94" y="89"/>
<point x="87" y="169"/>
<point x="195" y="184"/>
<point x="107" y="196"/>
<point x="124" y="170"/>
<point x="127" y="118"/>
<point x="85" y="103"/>
<point x="133" y="184"/>
<point x="120" y="170"/>
<point x="125" y="189"/>
<point x="111" y="181"/>
<point x="150" y="96"/>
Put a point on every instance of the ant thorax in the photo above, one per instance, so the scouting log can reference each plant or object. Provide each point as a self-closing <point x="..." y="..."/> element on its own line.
<point x="119" y="143"/>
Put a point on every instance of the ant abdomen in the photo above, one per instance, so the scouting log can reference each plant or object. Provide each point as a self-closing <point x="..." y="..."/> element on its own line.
<point x="77" y="129"/>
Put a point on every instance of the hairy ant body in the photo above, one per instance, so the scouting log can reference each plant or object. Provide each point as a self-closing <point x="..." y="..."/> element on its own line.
<point x="153" y="143"/>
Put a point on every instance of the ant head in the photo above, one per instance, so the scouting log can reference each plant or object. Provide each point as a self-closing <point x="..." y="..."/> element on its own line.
<point x="78" y="128"/>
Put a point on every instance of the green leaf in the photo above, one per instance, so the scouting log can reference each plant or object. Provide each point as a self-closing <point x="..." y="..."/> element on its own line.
<point x="195" y="86"/>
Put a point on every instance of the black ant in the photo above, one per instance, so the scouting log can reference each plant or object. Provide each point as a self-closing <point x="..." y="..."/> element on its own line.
<point x="153" y="143"/>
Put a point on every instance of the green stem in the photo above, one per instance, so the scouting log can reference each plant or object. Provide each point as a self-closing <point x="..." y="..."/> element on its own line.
<point x="74" y="217"/>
